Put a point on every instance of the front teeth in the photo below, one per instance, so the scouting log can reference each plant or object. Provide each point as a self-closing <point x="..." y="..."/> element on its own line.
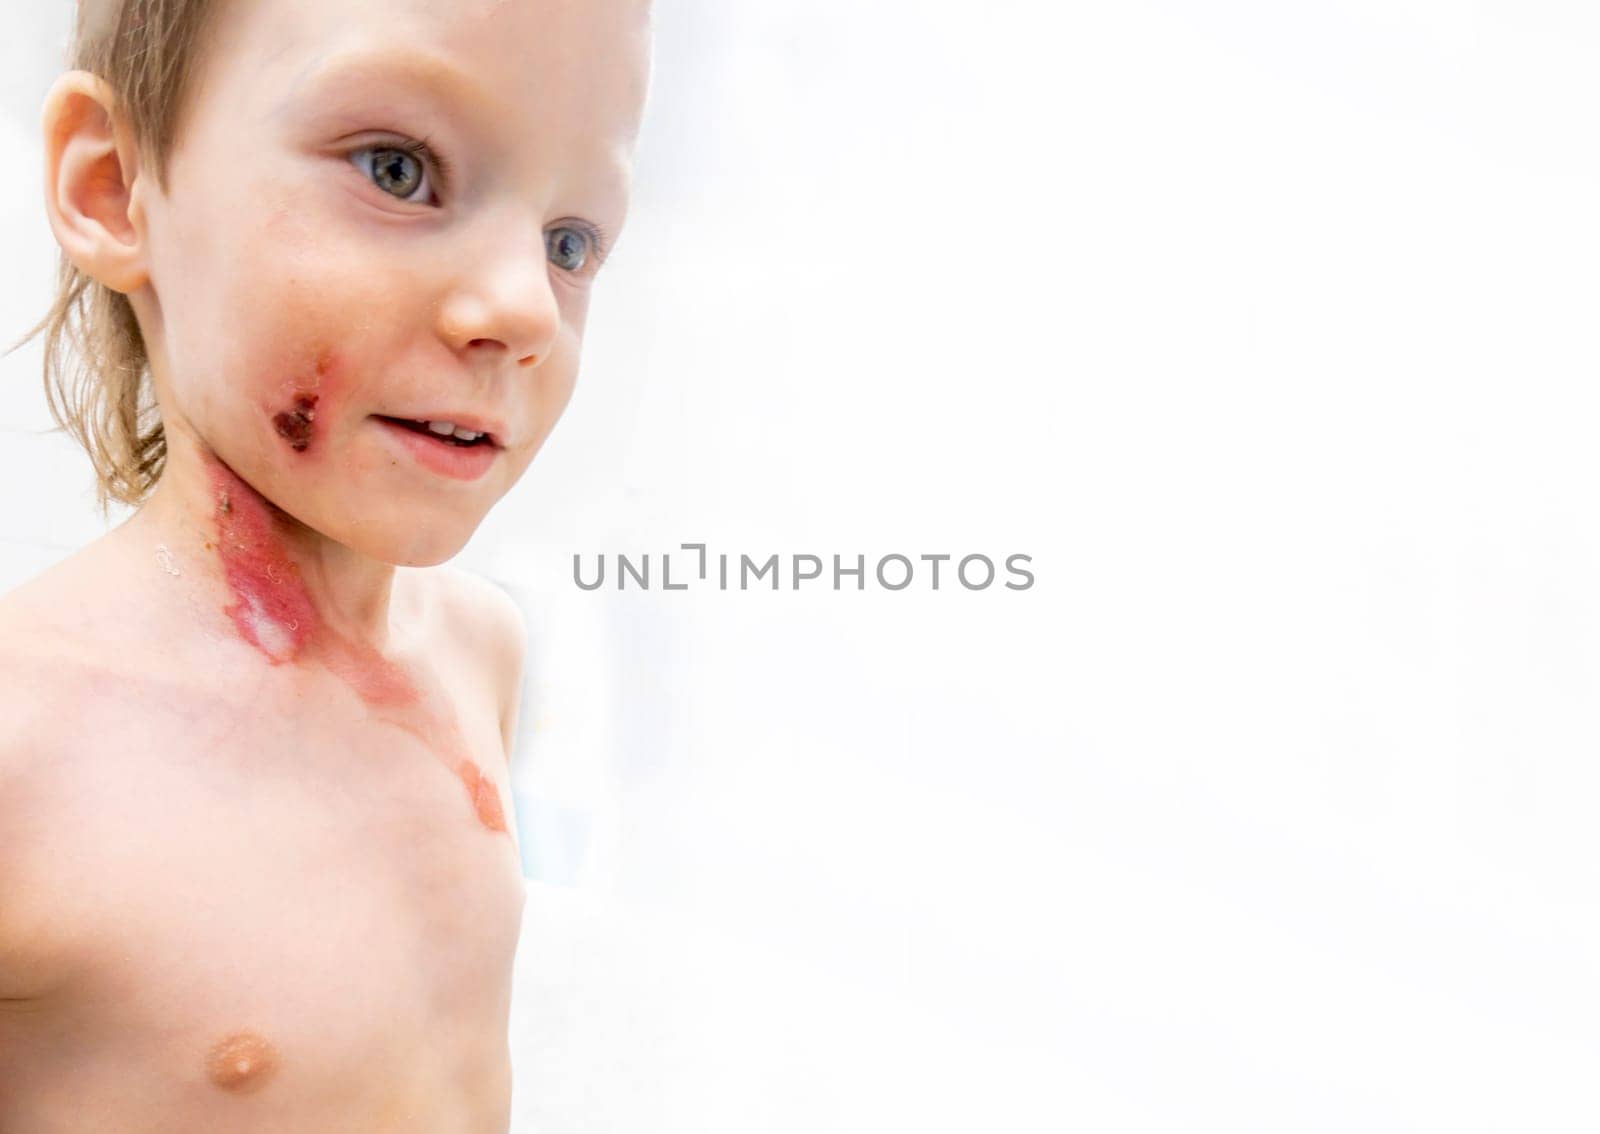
<point x="448" y="428"/>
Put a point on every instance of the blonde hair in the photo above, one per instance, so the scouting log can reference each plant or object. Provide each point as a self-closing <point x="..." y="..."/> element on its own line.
<point x="96" y="368"/>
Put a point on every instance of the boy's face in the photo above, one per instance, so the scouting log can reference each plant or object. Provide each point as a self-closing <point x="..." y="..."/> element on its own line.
<point x="315" y="271"/>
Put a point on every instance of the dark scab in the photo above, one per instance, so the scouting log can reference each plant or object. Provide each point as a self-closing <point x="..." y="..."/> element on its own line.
<point x="294" y="426"/>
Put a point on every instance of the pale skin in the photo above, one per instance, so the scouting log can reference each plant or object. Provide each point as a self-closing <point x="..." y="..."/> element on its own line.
<point x="258" y="867"/>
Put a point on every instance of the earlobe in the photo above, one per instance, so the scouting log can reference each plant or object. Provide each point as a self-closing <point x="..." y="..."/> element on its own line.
<point x="91" y="168"/>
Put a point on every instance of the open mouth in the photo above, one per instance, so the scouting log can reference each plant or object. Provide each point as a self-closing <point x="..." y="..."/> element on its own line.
<point x="444" y="432"/>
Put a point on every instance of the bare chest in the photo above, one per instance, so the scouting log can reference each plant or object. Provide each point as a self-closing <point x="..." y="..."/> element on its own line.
<point x="271" y="911"/>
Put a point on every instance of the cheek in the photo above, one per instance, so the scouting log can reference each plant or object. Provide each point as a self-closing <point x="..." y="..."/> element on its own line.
<point x="296" y="356"/>
<point x="548" y="397"/>
<point x="556" y="385"/>
<point x="304" y="385"/>
<point x="283" y="311"/>
<point x="278" y="394"/>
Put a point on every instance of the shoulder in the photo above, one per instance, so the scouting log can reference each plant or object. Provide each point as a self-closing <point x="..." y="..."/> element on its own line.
<point x="482" y="610"/>
<point x="19" y="740"/>
<point x="38" y="694"/>
<point x="47" y="701"/>
<point x="487" y="625"/>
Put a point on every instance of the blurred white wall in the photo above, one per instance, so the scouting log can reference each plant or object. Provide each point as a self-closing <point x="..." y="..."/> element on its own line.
<point x="1267" y="331"/>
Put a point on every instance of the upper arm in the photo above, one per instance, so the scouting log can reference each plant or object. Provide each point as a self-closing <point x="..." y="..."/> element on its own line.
<point x="30" y="920"/>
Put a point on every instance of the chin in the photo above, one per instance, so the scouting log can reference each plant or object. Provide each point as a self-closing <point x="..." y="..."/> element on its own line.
<point x="412" y="547"/>
<point x="421" y="540"/>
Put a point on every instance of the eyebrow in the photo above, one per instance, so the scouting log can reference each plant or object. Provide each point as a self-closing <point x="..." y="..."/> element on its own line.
<point x="408" y="65"/>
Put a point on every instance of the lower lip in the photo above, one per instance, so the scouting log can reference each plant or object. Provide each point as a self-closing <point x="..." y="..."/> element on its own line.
<point x="458" y="462"/>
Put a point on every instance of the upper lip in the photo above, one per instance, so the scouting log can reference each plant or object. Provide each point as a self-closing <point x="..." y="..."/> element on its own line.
<point x="493" y="430"/>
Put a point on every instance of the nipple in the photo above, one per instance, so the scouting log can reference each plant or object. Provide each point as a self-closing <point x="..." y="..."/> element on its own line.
<point x="241" y="1063"/>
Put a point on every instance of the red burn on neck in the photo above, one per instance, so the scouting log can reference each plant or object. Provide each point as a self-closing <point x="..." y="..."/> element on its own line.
<point x="272" y="609"/>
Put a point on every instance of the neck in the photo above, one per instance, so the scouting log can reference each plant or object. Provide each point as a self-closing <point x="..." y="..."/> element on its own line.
<point x="298" y="598"/>
<point x="289" y="592"/>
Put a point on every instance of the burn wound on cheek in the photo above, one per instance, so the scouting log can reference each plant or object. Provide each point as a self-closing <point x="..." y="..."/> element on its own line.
<point x="241" y="1063"/>
<point x="295" y="425"/>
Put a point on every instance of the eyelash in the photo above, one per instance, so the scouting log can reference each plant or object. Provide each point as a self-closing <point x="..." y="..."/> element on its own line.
<point x="599" y="241"/>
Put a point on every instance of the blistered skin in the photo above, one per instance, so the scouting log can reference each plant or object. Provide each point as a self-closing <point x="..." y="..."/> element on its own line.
<point x="271" y="608"/>
<point x="241" y="1063"/>
<point x="272" y="611"/>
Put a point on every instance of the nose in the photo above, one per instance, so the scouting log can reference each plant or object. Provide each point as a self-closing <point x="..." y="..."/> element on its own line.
<point x="503" y="305"/>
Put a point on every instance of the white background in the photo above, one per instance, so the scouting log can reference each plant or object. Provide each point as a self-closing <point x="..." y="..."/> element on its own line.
<point x="1267" y="330"/>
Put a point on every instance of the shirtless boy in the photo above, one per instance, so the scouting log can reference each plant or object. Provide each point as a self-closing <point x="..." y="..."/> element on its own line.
<point x="257" y="860"/>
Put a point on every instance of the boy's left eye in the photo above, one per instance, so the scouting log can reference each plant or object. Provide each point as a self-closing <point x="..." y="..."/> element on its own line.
<point x="569" y="247"/>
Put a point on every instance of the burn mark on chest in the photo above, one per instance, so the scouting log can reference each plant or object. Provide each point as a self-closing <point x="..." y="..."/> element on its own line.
<point x="273" y="612"/>
<point x="241" y="1063"/>
<point x="485" y="798"/>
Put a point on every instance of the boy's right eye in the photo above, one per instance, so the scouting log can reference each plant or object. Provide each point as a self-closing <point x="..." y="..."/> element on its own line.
<point x="396" y="170"/>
